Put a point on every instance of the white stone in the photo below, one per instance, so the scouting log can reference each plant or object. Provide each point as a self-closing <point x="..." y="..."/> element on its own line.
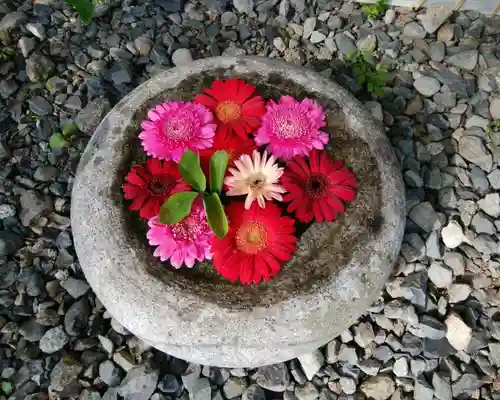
<point x="182" y="57"/>
<point x="311" y="363"/>
<point x="458" y="292"/>
<point x="458" y="333"/>
<point x="478" y="121"/>
<point x="244" y="6"/>
<point x="440" y="275"/>
<point x="348" y="385"/>
<point x="453" y="235"/>
<point x="435" y="16"/>
<point x="390" y="16"/>
<point x="400" y="367"/>
<point x="317" y="37"/>
<point x="309" y="25"/>
<point x="427" y="85"/>
<point x="495" y="108"/>
<point x="490" y="204"/>
<point x="279" y="43"/>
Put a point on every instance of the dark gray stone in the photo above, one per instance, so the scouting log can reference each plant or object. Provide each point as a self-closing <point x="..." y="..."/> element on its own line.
<point x="75" y="287"/>
<point x="9" y="243"/>
<point x="253" y="392"/>
<point x="39" y="67"/>
<point x="63" y="377"/>
<point x="90" y="117"/>
<point x="273" y="377"/>
<point x="139" y="384"/>
<point x="40" y="106"/>
<point x="76" y="318"/>
<point x="110" y="374"/>
<point x="32" y="331"/>
<point x="33" y="205"/>
<point x="53" y="340"/>
<point x="12" y="20"/>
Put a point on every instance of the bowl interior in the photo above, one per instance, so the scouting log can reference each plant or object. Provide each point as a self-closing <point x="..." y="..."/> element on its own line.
<point x="323" y="248"/>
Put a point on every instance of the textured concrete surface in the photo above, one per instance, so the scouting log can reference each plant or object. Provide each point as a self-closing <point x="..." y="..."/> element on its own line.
<point x="337" y="272"/>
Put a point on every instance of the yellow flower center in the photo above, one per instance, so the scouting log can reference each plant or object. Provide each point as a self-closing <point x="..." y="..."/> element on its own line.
<point x="228" y="111"/>
<point x="251" y="237"/>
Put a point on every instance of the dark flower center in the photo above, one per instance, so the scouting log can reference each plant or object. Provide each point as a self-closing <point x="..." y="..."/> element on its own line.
<point x="161" y="185"/>
<point x="257" y="181"/>
<point x="316" y="185"/>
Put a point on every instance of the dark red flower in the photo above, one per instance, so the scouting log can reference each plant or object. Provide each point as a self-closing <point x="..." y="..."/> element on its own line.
<point x="152" y="185"/>
<point x="317" y="189"/>
<point x="233" y="145"/>
<point x="258" y="243"/>
<point x="234" y="107"/>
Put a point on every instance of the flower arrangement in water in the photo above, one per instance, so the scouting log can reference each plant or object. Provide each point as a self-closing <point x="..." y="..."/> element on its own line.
<point x="231" y="175"/>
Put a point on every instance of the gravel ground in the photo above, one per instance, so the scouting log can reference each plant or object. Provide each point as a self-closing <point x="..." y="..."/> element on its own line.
<point x="435" y="331"/>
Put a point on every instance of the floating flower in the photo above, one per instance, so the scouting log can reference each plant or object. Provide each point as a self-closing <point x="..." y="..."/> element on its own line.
<point x="292" y="127"/>
<point x="233" y="145"/>
<point x="258" y="178"/>
<point x="258" y="243"/>
<point x="173" y="127"/>
<point x="233" y="105"/>
<point x="152" y="185"/>
<point x="317" y="189"/>
<point x="185" y="242"/>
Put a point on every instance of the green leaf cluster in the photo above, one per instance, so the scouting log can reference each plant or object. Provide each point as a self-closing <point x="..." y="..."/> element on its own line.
<point x="374" y="11"/>
<point x="6" y="53"/>
<point x="84" y="8"/>
<point x="6" y="387"/>
<point x="178" y="206"/>
<point x="61" y="139"/>
<point x="373" y="77"/>
<point x="493" y="127"/>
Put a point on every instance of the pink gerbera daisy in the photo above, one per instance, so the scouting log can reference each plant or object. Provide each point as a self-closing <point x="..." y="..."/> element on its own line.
<point x="185" y="242"/>
<point x="292" y="127"/>
<point x="174" y="126"/>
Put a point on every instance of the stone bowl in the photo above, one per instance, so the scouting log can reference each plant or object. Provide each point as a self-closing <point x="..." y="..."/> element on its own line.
<point x="338" y="270"/>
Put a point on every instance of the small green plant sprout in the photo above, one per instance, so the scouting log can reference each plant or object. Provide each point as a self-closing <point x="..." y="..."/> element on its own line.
<point x="372" y="76"/>
<point x="6" y="387"/>
<point x="84" y="8"/>
<point x="493" y="127"/>
<point x="61" y="139"/>
<point x="178" y="207"/>
<point x="375" y="10"/>
<point x="6" y="53"/>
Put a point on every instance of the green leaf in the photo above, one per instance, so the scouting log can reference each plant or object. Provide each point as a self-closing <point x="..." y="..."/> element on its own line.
<point x="190" y="169"/>
<point x="218" y="165"/>
<point x="215" y="214"/>
<point x="379" y="91"/>
<point x="177" y="207"/>
<point x="85" y="8"/>
<point x="6" y="387"/>
<point x="69" y="129"/>
<point x="57" y="141"/>
<point x="370" y="88"/>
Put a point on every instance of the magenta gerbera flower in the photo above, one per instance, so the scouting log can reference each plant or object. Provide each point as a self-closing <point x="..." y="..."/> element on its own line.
<point x="185" y="242"/>
<point x="292" y="127"/>
<point x="174" y="126"/>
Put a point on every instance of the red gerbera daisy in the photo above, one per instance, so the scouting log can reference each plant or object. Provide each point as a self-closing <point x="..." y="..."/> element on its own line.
<point x="258" y="243"/>
<point x="316" y="189"/>
<point x="233" y="145"/>
<point x="234" y="108"/>
<point x="152" y="185"/>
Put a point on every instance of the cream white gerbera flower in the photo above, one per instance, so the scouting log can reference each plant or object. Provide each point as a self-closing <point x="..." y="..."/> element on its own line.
<point x="257" y="177"/>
